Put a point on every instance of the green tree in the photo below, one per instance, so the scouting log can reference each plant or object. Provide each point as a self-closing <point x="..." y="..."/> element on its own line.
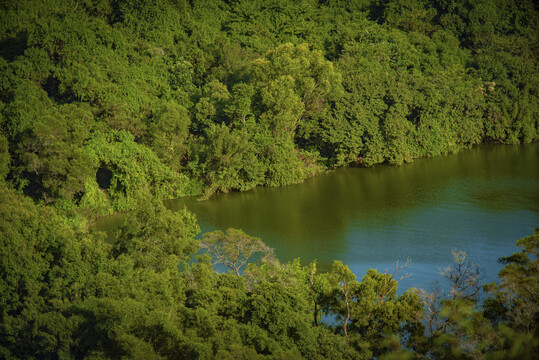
<point x="514" y="300"/>
<point x="169" y="134"/>
<point x="45" y="266"/>
<point x="125" y="170"/>
<point x="234" y="249"/>
<point x="370" y="312"/>
<point x="226" y="160"/>
<point x="296" y="86"/>
<point x="5" y="160"/>
<point x="155" y="237"/>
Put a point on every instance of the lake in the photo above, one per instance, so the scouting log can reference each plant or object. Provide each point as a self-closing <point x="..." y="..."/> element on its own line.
<point x="480" y="201"/>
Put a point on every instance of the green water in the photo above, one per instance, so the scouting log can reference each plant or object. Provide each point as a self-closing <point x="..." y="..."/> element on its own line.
<point x="480" y="201"/>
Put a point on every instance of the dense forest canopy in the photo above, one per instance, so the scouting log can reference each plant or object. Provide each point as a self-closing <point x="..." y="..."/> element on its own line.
<point x="67" y="293"/>
<point x="112" y="105"/>
<point x="102" y="100"/>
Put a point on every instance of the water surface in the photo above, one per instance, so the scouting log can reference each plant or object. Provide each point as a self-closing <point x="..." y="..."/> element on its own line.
<point x="480" y="201"/>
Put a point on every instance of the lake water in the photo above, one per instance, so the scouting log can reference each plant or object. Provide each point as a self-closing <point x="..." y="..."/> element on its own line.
<point x="480" y="200"/>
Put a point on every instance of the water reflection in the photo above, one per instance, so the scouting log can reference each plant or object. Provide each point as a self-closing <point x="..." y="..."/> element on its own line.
<point x="480" y="201"/>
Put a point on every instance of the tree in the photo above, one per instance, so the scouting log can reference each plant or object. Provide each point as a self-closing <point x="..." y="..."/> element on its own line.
<point x="463" y="278"/>
<point x="5" y="160"/>
<point x="505" y="327"/>
<point x="234" y="248"/>
<point x="169" y="134"/>
<point x="370" y="312"/>
<point x="514" y="300"/>
<point x="225" y="159"/>
<point x="45" y="267"/>
<point x="296" y="86"/>
<point x="239" y="109"/>
<point x="156" y="238"/>
<point x="129" y="170"/>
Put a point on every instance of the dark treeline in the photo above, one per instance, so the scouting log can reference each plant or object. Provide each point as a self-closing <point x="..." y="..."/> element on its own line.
<point x="66" y="293"/>
<point x="101" y="100"/>
<point x="114" y="105"/>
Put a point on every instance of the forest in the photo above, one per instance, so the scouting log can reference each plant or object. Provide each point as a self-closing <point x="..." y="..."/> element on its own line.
<point x="109" y="106"/>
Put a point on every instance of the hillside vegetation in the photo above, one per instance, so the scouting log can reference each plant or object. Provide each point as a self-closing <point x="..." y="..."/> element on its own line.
<point x="102" y="100"/>
<point x="112" y="105"/>
<point x="66" y="293"/>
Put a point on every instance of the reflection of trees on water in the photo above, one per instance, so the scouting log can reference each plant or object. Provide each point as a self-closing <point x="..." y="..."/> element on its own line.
<point x="371" y="217"/>
<point x="379" y="213"/>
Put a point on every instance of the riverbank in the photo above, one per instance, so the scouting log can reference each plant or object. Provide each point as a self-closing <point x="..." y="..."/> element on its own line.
<point x="475" y="200"/>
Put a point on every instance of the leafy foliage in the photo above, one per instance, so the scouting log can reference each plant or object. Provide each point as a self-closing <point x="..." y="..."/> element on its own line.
<point x="112" y="105"/>
<point x="216" y="96"/>
<point x="68" y="293"/>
